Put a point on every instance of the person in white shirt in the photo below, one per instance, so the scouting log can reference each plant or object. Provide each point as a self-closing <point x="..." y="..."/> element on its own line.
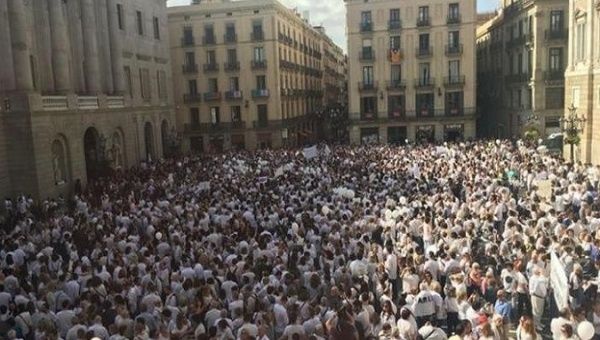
<point x="538" y="289"/>
<point x="424" y="307"/>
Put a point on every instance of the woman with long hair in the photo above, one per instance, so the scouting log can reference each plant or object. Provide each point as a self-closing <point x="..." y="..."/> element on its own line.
<point x="526" y="329"/>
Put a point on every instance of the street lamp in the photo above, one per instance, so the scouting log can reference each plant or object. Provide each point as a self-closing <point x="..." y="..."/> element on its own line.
<point x="572" y="126"/>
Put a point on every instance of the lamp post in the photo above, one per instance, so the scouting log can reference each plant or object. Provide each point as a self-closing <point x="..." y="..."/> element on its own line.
<point x="572" y="126"/>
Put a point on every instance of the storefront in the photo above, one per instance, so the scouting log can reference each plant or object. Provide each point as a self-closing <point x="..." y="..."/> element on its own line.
<point x="453" y="133"/>
<point x="425" y="134"/>
<point x="369" y="135"/>
<point x="238" y="142"/>
<point x="397" y="135"/>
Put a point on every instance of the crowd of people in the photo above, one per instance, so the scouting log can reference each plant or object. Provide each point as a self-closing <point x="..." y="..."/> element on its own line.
<point x="371" y="242"/>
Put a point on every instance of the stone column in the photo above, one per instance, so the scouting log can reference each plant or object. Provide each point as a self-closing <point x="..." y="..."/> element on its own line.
<point x="7" y="76"/>
<point x="116" y="49"/>
<point x="42" y="48"/>
<point x="90" y="46"/>
<point x="76" y="41"/>
<point x="60" y="47"/>
<point x="20" y="44"/>
<point x="103" y="44"/>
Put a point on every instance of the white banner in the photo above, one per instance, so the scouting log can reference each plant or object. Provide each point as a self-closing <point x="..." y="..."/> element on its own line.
<point x="310" y="153"/>
<point x="559" y="282"/>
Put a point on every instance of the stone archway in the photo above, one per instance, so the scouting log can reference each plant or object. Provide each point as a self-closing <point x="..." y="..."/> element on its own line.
<point x="149" y="141"/>
<point x="164" y="135"/>
<point x="92" y="151"/>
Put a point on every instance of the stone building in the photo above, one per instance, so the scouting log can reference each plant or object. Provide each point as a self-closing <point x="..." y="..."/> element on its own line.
<point x="521" y="59"/>
<point x="582" y="77"/>
<point x="411" y="70"/>
<point x="247" y="74"/>
<point x="84" y="87"/>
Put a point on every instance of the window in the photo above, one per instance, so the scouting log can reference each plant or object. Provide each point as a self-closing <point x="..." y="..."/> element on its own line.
<point x="368" y="75"/>
<point x="365" y="17"/>
<point x="230" y="32"/>
<point x="215" y="116"/>
<point x="234" y="84"/>
<point x="161" y="82"/>
<point x="140" y="22"/>
<point x="188" y="36"/>
<point x="396" y="73"/>
<point x="211" y="57"/>
<point x="232" y="56"/>
<point x="424" y="41"/>
<point x="257" y="30"/>
<point x="425" y="104"/>
<point x="190" y="58"/>
<point x="424" y="73"/>
<point x="396" y="106"/>
<point x="395" y="42"/>
<point x="555" y="97"/>
<point x="453" y="39"/>
<point x="368" y="107"/>
<point x="156" y="25"/>
<point x="209" y="34"/>
<point x="236" y="114"/>
<point x="213" y="85"/>
<point x="520" y="63"/>
<point x="556" y="21"/>
<point x="194" y="116"/>
<point x="120" y="17"/>
<point x="423" y="13"/>
<point x="580" y="42"/>
<point x="556" y="64"/>
<point x="454" y="103"/>
<point x="454" y="69"/>
<point x="259" y="53"/>
<point x="262" y="113"/>
<point x="145" y="83"/>
<point x="367" y="48"/>
<point x="395" y="15"/>
<point x="453" y="11"/>
<point x="128" y="81"/>
<point x="261" y="82"/>
<point x="193" y="86"/>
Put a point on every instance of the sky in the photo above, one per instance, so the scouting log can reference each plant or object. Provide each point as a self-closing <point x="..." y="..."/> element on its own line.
<point x="332" y="14"/>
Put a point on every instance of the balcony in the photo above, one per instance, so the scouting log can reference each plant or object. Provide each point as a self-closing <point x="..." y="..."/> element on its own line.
<point x="259" y="64"/>
<point x="55" y="103"/>
<point x="189" y="98"/>
<point x="267" y="124"/>
<point x="554" y="76"/>
<point x="561" y="34"/>
<point x="396" y="85"/>
<point x="234" y="95"/>
<point x="366" y="55"/>
<point x="517" y="78"/>
<point x="394" y="25"/>
<point x="519" y="41"/>
<point x="260" y="93"/>
<point x="230" y="38"/>
<point x="454" y="111"/>
<point x="208" y="40"/>
<point x="366" y="26"/>
<point x="238" y="125"/>
<point x="397" y="113"/>
<point x="88" y="102"/>
<point x="424" y="52"/>
<point x="454" y="81"/>
<point x="366" y="87"/>
<point x="453" y="19"/>
<point x="368" y="115"/>
<point x="423" y="22"/>
<point x="211" y="67"/>
<point x="212" y="96"/>
<point x="257" y="36"/>
<point x="189" y="41"/>
<point x="189" y="68"/>
<point x="231" y="66"/>
<point x="454" y="50"/>
<point x="424" y="83"/>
